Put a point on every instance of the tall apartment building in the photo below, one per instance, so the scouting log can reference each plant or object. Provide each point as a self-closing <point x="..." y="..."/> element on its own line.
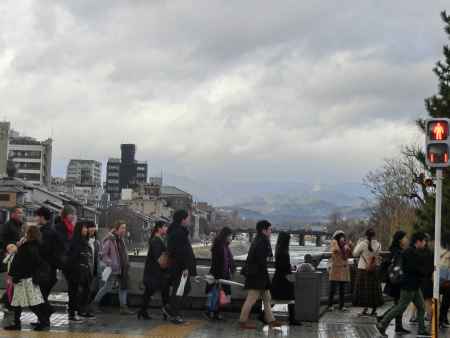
<point x="32" y="158"/>
<point x="85" y="173"/>
<point x="125" y="173"/>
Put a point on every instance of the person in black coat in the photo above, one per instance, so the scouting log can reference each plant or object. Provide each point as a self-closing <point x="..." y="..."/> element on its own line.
<point x="282" y="288"/>
<point x="11" y="231"/>
<point x="96" y="249"/>
<point x="50" y="250"/>
<point x="155" y="276"/>
<point x="65" y="228"/>
<point x="182" y="262"/>
<point x="80" y="264"/>
<point x="398" y="245"/>
<point x="24" y="270"/>
<point x="222" y="266"/>
<point x="257" y="280"/>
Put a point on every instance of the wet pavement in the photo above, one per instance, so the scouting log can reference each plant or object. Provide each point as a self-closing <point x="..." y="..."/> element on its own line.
<point x="333" y="324"/>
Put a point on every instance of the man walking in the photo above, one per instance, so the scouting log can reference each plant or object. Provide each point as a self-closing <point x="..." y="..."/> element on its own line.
<point x="257" y="280"/>
<point x="182" y="260"/>
<point x="413" y="273"/>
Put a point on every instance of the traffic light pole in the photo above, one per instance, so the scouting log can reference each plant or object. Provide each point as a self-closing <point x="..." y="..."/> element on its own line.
<point x="437" y="253"/>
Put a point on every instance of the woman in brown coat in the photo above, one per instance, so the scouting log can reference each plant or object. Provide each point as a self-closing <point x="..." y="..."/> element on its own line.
<point x="339" y="268"/>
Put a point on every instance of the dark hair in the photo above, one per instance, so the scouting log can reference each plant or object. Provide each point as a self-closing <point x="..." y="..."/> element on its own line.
<point x="179" y="216"/>
<point x="308" y="259"/>
<point x="221" y="237"/>
<point x="418" y="236"/>
<point x="77" y="236"/>
<point x="158" y="225"/>
<point x="339" y="236"/>
<point x="67" y="210"/>
<point x="282" y="246"/>
<point x="44" y="212"/>
<point x="33" y="233"/>
<point x="262" y="225"/>
<point x="370" y="234"/>
<point x="90" y="224"/>
<point x="396" y="239"/>
<point x="116" y="225"/>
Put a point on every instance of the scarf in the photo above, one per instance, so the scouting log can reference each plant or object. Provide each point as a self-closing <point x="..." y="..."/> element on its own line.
<point x="123" y="256"/>
<point x="70" y="227"/>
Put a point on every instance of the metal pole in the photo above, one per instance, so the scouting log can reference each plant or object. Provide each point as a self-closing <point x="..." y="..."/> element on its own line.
<point x="437" y="253"/>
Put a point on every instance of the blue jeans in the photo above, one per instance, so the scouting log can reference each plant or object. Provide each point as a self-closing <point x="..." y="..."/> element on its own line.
<point x="108" y="287"/>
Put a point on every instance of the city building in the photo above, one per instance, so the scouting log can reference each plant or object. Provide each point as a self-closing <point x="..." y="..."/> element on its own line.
<point x="4" y="142"/>
<point x="32" y="158"/>
<point x="84" y="173"/>
<point x="125" y="173"/>
<point x="176" y="198"/>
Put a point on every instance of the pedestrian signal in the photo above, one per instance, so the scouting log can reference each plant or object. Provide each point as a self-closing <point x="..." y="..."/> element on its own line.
<point x="437" y="142"/>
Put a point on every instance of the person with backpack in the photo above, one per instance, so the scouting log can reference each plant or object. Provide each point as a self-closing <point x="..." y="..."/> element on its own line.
<point x="367" y="289"/>
<point x="393" y="275"/>
<point x="155" y="270"/>
<point x="410" y="291"/>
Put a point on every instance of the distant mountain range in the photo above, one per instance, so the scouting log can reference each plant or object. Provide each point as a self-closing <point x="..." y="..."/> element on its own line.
<point x="281" y="202"/>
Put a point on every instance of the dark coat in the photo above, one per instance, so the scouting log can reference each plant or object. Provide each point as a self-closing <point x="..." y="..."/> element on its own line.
<point x="180" y="251"/>
<point x="390" y="289"/>
<point x="255" y="270"/>
<point x="26" y="261"/>
<point x="218" y="268"/>
<point x="80" y="262"/>
<point x="154" y="276"/>
<point x="50" y="249"/>
<point x="426" y="283"/>
<point x="282" y="288"/>
<point x="10" y="233"/>
<point x="413" y="269"/>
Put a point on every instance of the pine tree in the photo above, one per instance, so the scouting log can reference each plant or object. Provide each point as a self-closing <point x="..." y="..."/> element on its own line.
<point x="437" y="106"/>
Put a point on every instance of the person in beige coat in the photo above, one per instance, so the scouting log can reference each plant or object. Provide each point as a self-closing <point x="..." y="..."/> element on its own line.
<point x="339" y="268"/>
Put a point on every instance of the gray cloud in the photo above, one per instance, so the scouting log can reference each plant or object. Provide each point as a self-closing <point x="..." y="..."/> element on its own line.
<point x="226" y="89"/>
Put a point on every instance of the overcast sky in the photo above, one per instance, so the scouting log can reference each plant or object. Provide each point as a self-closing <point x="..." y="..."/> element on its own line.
<point x="241" y="90"/>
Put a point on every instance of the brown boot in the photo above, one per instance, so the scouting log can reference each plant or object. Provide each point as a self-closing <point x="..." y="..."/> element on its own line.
<point x="247" y="325"/>
<point x="275" y="323"/>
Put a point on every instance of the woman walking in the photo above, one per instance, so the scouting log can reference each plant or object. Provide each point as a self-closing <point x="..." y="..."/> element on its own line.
<point x="24" y="271"/>
<point x="81" y="266"/>
<point x="282" y="288"/>
<point x="367" y="290"/>
<point x="222" y="267"/>
<point x="339" y="268"/>
<point x="115" y="257"/>
<point x="156" y="276"/>
<point x="398" y="245"/>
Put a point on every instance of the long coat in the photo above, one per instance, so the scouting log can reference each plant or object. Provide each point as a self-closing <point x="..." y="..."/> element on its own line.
<point x="340" y="268"/>
<point x="390" y="289"/>
<point x="282" y="288"/>
<point x="180" y="251"/>
<point x="256" y="273"/>
<point x="218" y="266"/>
<point x="154" y="276"/>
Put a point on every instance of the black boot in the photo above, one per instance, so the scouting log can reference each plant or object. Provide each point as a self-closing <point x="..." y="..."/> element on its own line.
<point x="292" y="320"/>
<point x="143" y="314"/>
<point x="399" y="326"/>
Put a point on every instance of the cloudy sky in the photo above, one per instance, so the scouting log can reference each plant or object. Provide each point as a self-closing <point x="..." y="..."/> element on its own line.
<point x="241" y="90"/>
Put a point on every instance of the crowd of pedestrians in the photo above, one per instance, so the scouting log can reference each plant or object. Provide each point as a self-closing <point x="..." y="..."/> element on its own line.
<point x="32" y="255"/>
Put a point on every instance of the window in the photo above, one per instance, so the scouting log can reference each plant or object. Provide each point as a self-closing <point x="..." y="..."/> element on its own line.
<point x="5" y="197"/>
<point x="29" y="177"/>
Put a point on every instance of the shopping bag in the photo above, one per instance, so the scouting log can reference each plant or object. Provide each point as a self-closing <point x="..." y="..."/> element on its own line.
<point x="213" y="299"/>
<point x="224" y="299"/>
<point x="180" y="291"/>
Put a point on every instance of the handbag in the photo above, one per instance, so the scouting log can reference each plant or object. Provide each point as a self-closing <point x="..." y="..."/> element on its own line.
<point x="371" y="265"/>
<point x="163" y="261"/>
<point x="395" y="271"/>
<point x="224" y="299"/>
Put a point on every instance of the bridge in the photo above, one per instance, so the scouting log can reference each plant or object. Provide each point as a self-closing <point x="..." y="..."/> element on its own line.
<point x="319" y="232"/>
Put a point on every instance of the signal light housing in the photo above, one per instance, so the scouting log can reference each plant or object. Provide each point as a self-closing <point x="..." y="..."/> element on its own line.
<point x="437" y="142"/>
